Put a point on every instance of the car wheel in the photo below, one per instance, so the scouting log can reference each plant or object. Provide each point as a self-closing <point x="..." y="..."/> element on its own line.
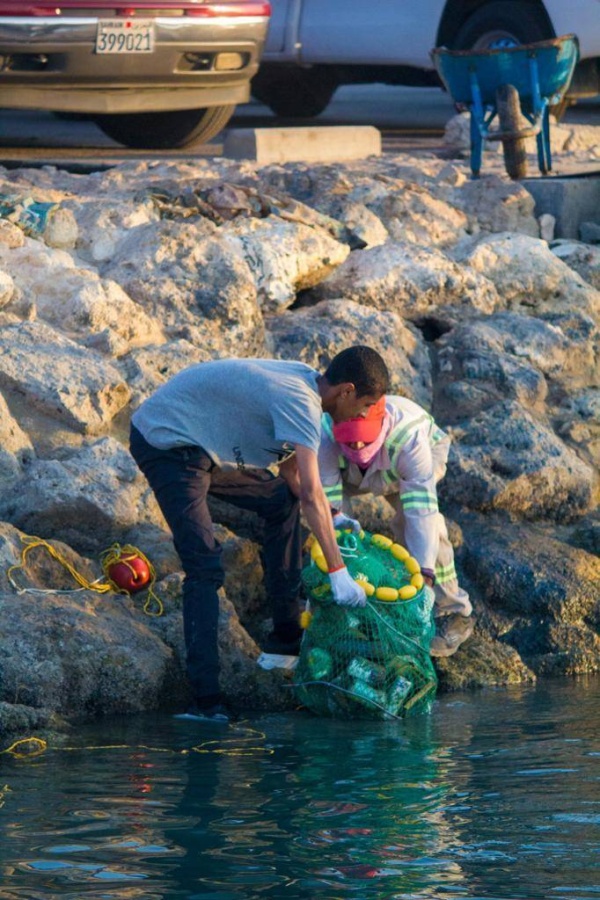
<point x="503" y="24"/>
<point x="506" y="24"/>
<point x="165" y="130"/>
<point x="294" y="93"/>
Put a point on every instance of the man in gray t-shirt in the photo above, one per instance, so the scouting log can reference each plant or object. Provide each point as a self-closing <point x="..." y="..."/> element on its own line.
<point x="247" y="431"/>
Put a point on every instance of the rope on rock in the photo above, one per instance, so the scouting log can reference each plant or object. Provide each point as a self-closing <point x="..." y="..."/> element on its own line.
<point x="153" y="605"/>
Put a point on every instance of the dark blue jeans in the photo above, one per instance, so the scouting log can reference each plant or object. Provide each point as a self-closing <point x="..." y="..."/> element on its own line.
<point x="182" y="479"/>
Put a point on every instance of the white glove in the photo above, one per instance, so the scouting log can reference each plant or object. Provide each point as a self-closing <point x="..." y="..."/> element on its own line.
<point x="340" y="520"/>
<point x="345" y="590"/>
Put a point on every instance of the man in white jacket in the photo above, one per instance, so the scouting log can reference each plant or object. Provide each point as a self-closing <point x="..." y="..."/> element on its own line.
<point x="398" y="451"/>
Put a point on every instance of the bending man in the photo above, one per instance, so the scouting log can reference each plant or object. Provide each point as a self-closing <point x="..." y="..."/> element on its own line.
<point x="220" y="428"/>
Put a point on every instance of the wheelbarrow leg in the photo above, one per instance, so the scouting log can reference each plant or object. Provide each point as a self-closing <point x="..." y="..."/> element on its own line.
<point x="540" y="109"/>
<point x="543" y="144"/>
<point x="476" y="146"/>
<point x="477" y="116"/>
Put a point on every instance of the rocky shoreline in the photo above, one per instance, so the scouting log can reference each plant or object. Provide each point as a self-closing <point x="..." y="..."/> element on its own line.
<point x="113" y="281"/>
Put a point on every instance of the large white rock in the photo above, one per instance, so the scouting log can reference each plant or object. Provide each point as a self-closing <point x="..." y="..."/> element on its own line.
<point x="284" y="257"/>
<point x="410" y="212"/>
<point x="529" y="275"/>
<point x="7" y="288"/>
<point x="103" y="224"/>
<point x="494" y="204"/>
<point x="73" y="298"/>
<point x="194" y="282"/>
<point x="411" y="281"/>
<point x="60" y="377"/>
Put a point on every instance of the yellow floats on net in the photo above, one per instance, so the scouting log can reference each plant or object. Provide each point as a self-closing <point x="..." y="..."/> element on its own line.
<point x="386" y="594"/>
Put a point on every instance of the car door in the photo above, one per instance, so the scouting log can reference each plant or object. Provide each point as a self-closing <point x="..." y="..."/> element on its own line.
<point x="369" y="31"/>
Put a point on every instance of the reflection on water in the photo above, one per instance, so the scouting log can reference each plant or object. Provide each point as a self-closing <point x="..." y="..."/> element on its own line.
<point x="494" y="795"/>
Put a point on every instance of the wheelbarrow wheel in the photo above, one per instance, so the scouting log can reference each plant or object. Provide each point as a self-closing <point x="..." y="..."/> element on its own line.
<point x="509" y="116"/>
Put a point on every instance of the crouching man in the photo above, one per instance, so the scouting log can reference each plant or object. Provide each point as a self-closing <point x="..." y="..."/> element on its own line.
<point x="397" y="451"/>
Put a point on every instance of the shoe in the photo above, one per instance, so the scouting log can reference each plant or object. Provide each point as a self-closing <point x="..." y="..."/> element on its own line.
<point x="218" y="714"/>
<point x="273" y="644"/>
<point x="450" y="632"/>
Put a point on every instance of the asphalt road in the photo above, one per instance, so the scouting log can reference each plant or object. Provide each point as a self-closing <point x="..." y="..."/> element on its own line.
<point x="410" y="118"/>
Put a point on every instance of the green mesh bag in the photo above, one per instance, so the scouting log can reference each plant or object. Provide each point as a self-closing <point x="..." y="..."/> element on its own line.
<point x="371" y="662"/>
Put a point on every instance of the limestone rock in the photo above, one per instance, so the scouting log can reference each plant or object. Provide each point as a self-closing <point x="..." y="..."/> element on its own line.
<point x="546" y="593"/>
<point x="504" y="458"/>
<point x="582" y="258"/>
<point x="284" y="257"/>
<point x="194" y="283"/>
<point x="89" y="499"/>
<point x="315" y="334"/>
<point x="411" y="213"/>
<point x="361" y="220"/>
<point x="508" y="355"/>
<point x="60" y="377"/>
<point x="577" y="421"/>
<point x="528" y="275"/>
<point x="74" y="299"/>
<point x="496" y="204"/>
<point x="104" y="224"/>
<point x="414" y="282"/>
<point x="15" y="448"/>
<point x="10" y="235"/>
<point x="79" y="654"/>
<point x="7" y="288"/>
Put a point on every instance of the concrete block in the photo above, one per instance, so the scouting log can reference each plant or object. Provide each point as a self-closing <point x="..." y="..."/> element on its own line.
<point x="279" y="145"/>
<point x="572" y="200"/>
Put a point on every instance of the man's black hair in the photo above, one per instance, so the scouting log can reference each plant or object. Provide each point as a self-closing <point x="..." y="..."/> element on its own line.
<point x="364" y="367"/>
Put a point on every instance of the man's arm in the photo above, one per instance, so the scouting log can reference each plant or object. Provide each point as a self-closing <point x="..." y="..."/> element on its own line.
<point x="316" y="509"/>
<point x="315" y="505"/>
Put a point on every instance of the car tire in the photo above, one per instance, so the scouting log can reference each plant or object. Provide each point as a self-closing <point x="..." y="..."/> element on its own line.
<point x="506" y="20"/>
<point x="294" y="93"/>
<point x="503" y="20"/>
<point x="165" y="130"/>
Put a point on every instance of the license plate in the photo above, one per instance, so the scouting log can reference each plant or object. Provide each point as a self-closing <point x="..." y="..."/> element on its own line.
<point x="125" y="36"/>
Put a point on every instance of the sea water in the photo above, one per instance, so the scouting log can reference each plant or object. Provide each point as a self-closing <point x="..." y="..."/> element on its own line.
<point x="494" y="794"/>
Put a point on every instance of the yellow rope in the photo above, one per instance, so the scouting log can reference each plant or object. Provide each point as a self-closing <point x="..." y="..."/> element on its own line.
<point x="31" y="543"/>
<point x="27" y="748"/>
<point x="36" y="746"/>
<point x="114" y="554"/>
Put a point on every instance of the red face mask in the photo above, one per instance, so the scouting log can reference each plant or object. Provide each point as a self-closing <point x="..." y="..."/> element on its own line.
<point x="364" y="430"/>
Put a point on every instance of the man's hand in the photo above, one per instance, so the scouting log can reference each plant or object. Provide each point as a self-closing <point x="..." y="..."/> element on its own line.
<point x="345" y="590"/>
<point x="340" y="520"/>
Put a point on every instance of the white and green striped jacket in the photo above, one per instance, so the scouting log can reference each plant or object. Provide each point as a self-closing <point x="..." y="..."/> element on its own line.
<point x="410" y="462"/>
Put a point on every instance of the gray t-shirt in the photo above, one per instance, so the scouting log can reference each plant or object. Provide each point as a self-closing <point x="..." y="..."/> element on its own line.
<point x="242" y="412"/>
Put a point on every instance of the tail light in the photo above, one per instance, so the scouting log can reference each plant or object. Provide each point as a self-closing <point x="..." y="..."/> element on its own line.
<point x="237" y="8"/>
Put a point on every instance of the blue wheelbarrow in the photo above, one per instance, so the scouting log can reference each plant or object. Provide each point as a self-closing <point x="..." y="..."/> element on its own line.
<point x="506" y="82"/>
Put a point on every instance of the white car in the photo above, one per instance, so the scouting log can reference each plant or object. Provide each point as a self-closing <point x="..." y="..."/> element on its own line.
<point x="151" y="73"/>
<point x="313" y="46"/>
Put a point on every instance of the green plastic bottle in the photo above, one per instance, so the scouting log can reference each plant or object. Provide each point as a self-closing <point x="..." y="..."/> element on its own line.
<point x="366" y="671"/>
<point x="366" y="694"/>
<point x="320" y="663"/>
<point x="397" y="694"/>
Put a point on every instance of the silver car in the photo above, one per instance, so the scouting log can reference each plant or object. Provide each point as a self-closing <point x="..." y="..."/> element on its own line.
<point x="152" y="74"/>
